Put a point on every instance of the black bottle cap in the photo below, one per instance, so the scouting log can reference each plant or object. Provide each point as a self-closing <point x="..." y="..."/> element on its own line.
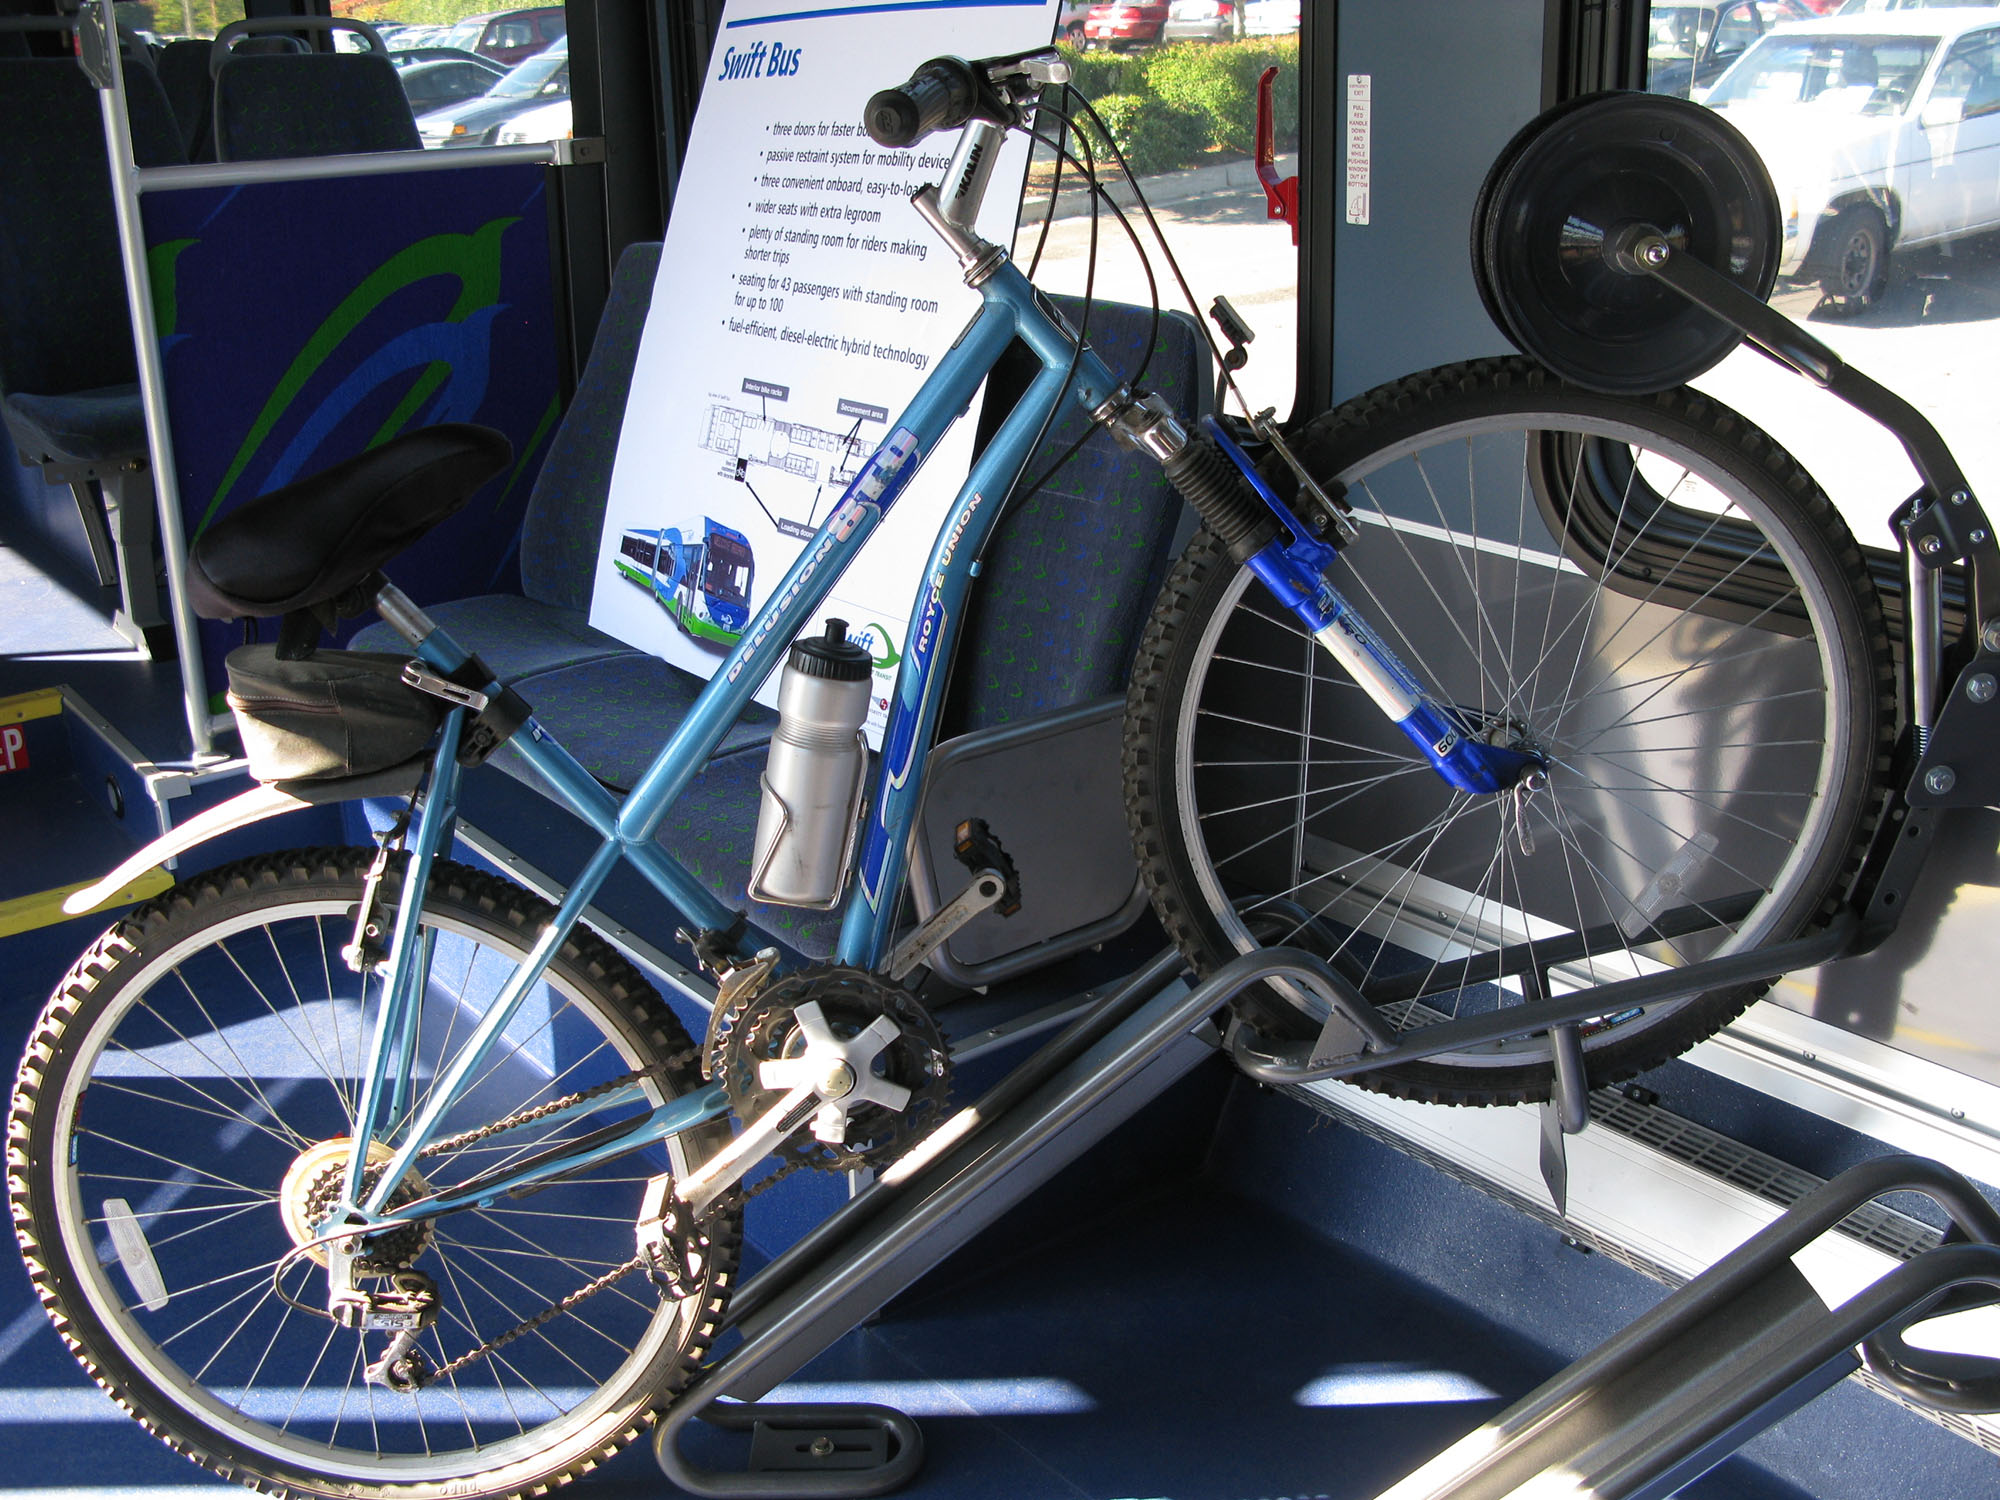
<point x="832" y="655"/>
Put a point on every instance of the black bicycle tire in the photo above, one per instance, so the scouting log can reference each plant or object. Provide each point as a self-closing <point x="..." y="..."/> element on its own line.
<point x="502" y="911"/>
<point x="1164" y="670"/>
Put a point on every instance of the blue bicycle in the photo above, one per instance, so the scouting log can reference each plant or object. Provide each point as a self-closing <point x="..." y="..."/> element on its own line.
<point x="345" y="1192"/>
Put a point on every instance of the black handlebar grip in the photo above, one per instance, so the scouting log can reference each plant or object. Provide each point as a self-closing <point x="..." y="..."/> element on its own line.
<point x="941" y="95"/>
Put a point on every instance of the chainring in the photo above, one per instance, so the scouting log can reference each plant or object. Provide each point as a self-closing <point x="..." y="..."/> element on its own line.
<point x="760" y="1028"/>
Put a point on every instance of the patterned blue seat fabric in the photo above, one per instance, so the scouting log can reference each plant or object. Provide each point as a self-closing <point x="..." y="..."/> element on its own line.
<point x="310" y="104"/>
<point x="1067" y="585"/>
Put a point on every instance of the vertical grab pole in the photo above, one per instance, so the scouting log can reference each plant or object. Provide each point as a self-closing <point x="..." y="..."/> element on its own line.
<point x="152" y="378"/>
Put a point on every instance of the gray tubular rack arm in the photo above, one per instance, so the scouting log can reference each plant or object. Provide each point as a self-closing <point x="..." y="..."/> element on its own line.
<point x="1130" y="1046"/>
<point x="1742" y="1345"/>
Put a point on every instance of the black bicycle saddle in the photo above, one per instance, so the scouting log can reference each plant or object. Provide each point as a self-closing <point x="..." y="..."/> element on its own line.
<point x="316" y="538"/>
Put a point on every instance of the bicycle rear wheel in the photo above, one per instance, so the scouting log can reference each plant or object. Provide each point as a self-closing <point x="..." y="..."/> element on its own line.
<point x="182" y="1109"/>
<point x="1649" y="592"/>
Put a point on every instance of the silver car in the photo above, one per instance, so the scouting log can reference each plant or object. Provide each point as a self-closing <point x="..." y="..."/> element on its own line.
<point x="1203" y="21"/>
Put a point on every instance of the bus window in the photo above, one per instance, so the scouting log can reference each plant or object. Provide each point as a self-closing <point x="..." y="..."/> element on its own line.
<point x="1178" y="95"/>
<point x="1881" y="132"/>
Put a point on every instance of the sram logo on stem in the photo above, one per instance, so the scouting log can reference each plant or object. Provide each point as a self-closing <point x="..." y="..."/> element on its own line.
<point x="774" y="60"/>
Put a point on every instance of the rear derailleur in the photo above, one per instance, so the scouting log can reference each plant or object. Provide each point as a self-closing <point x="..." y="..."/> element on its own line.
<point x="403" y="1310"/>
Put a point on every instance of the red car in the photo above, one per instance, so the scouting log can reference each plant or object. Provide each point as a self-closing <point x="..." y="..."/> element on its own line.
<point x="1123" y="25"/>
<point x="509" y="36"/>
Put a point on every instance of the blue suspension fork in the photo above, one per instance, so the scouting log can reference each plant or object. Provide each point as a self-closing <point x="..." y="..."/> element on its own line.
<point x="1294" y="568"/>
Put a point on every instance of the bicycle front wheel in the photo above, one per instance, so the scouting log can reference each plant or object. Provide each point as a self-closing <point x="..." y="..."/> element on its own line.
<point x="183" y="1110"/>
<point x="1649" y="594"/>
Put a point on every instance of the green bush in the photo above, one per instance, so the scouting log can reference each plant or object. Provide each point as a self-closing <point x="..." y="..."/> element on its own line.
<point x="1097" y="75"/>
<point x="1153" y="135"/>
<point x="1169" y="107"/>
<point x="1220" y="84"/>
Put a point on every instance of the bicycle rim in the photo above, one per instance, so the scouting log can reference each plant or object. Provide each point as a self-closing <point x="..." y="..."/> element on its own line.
<point x="190" y="1090"/>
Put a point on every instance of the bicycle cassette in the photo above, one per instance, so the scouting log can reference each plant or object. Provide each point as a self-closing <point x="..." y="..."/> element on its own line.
<point x="830" y="1018"/>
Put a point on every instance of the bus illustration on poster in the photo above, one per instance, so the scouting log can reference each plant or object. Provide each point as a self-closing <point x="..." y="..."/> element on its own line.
<point x="698" y="572"/>
<point x="799" y="306"/>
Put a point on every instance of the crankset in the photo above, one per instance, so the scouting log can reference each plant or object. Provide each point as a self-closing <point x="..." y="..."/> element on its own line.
<point x="868" y="1057"/>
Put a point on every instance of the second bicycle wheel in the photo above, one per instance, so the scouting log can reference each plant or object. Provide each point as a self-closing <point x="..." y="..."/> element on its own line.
<point x="181" y="1121"/>
<point x="1649" y="593"/>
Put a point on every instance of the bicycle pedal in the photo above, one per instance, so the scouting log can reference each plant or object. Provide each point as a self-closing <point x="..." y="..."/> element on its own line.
<point x="976" y="847"/>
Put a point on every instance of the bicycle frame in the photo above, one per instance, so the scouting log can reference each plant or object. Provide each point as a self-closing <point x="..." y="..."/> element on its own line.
<point x="1010" y="309"/>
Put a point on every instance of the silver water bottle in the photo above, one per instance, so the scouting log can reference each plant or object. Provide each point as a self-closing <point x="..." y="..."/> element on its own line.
<point x="817" y="772"/>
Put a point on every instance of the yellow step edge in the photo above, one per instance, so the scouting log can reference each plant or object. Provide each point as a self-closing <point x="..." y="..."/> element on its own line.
<point x="44" y="908"/>
<point x="42" y="703"/>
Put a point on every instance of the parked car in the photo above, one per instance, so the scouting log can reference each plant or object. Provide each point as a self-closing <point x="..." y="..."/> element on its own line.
<point x="1690" y="42"/>
<point x="1124" y="25"/>
<point x="1881" y="133"/>
<point x="1270" y="17"/>
<point x="1069" y="23"/>
<point x="1203" y="21"/>
<point x="433" y="85"/>
<point x="545" y="122"/>
<point x="509" y="36"/>
<point x="1870" y="7"/>
<point x="476" y="122"/>
<point x="409" y="57"/>
<point x="418" y="36"/>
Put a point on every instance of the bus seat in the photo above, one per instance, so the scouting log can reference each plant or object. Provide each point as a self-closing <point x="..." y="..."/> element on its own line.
<point x="184" y="75"/>
<point x="1083" y="558"/>
<point x="68" y="370"/>
<point x="546" y="627"/>
<point x="271" y="106"/>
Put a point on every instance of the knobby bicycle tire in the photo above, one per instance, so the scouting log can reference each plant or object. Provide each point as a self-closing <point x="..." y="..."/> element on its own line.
<point x="211" y="1039"/>
<point x="1647" y="590"/>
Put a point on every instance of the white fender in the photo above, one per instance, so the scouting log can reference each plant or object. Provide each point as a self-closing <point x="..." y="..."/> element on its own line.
<point x="253" y="806"/>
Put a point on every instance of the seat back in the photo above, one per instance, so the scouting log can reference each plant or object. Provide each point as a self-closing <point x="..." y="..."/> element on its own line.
<point x="1071" y="572"/>
<point x="269" y="107"/>
<point x="63" y="320"/>
<point x="565" y="513"/>
<point x="190" y="91"/>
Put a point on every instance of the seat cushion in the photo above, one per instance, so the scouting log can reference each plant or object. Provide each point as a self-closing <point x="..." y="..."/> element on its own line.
<point x="86" y="427"/>
<point x="614" y="714"/>
<point x="514" y="636"/>
<point x="565" y="515"/>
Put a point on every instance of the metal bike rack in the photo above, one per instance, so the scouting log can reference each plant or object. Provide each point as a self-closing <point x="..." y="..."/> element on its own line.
<point x="1127" y="1049"/>
<point x="1738" y="1348"/>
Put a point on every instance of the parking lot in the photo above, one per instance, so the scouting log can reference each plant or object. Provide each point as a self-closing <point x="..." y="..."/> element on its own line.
<point x="1930" y="339"/>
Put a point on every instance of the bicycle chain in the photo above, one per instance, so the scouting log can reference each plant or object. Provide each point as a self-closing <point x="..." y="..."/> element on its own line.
<point x="728" y="1202"/>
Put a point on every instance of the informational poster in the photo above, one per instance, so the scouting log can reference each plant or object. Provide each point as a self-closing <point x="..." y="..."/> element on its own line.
<point x="801" y="302"/>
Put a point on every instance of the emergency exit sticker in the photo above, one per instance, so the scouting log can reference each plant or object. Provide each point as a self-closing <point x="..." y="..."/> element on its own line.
<point x="13" y="748"/>
<point x="1360" y="120"/>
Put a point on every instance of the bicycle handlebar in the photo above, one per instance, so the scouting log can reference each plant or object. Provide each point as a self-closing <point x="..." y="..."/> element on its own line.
<point x="943" y="94"/>
<point x="948" y="92"/>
